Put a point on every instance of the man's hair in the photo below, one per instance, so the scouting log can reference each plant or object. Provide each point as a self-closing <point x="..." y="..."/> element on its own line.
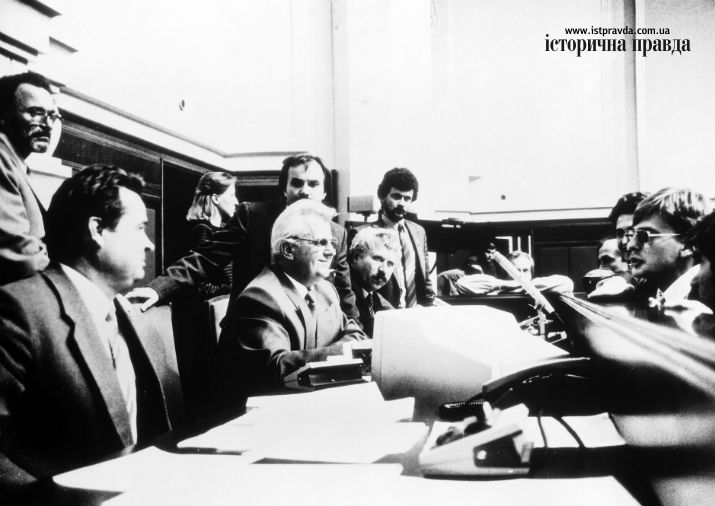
<point x="9" y="84"/>
<point x="293" y="222"/>
<point x="626" y="205"/>
<point x="399" y="178"/>
<point x="371" y="237"/>
<point x="680" y="208"/>
<point x="295" y="161"/>
<point x="209" y="184"/>
<point x="522" y="254"/>
<point x="702" y="237"/>
<point x="92" y="192"/>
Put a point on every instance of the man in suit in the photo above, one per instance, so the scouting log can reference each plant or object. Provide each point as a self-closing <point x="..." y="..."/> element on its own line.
<point x="657" y="251"/>
<point x="372" y="257"/>
<point x="289" y="314"/>
<point x="246" y="240"/>
<point x="81" y="374"/>
<point x="411" y="284"/>
<point x="28" y="119"/>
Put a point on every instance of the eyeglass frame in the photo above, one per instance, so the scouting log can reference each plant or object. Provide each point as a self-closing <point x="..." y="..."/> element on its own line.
<point x="649" y="235"/>
<point x="40" y="114"/>
<point x="323" y="243"/>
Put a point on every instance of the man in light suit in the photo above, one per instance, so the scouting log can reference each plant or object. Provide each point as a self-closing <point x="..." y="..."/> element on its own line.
<point x="81" y="374"/>
<point x="411" y="284"/>
<point x="372" y="257"/>
<point x="28" y="120"/>
<point x="289" y="314"/>
<point x="246" y="240"/>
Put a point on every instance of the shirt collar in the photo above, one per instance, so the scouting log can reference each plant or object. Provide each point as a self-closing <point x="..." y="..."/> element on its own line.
<point x="681" y="286"/>
<point x="96" y="302"/>
<point x="300" y="287"/>
<point x="389" y="223"/>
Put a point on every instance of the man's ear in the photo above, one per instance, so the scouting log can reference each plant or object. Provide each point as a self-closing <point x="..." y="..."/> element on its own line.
<point x="686" y="252"/>
<point x="214" y="199"/>
<point x="287" y="250"/>
<point x="96" y="229"/>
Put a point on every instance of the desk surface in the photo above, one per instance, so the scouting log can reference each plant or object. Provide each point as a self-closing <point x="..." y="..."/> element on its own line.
<point x="552" y="464"/>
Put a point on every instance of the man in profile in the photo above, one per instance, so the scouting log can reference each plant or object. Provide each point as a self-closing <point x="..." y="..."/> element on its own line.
<point x="610" y="263"/>
<point x="246" y="240"/>
<point x="411" y="284"/>
<point x="372" y="257"/>
<point x="657" y="252"/>
<point x="28" y="116"/>
<point x="289" y="314"/>
<point x="81" y="375"/>
<point x="621" y="287"/>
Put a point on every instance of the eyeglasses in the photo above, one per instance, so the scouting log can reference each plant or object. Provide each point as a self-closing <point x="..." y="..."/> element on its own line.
<point x="38" y="114"/>
<point x="644" y="236"/>
<point x="623" y="232"/>
<point x="323" y="243"/>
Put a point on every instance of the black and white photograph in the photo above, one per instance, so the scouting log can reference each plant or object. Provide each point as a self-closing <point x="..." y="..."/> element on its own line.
<point x="357" y="252"/>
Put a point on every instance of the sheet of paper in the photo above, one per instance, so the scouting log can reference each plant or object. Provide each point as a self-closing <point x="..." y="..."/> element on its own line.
<point x="150" y="466"/>
<point x="323" y="441"/>
<point x="377" y="484"/>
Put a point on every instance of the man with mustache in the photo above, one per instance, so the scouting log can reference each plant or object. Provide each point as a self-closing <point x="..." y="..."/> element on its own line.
<point x="372" y="257"/>
<point x="410" y="285"/>
<point x="28" y="114"/>
<point x="246" y="240"/>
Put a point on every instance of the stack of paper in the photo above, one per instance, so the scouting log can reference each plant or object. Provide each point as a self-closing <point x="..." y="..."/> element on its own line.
<point x="351" y="424"/>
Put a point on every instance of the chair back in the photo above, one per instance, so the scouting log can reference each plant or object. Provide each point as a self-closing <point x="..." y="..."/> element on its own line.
<point x="217" y="310"/>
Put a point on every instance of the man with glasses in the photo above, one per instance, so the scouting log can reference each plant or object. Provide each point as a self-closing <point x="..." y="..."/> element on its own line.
<point x="657" y="251"/>
<point x="28" y="119"/>
<point x="246" y="240"/>
<point x="289" y="314"/>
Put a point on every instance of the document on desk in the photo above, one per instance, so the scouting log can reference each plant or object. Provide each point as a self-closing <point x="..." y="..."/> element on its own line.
<point x="351" y="424"/>
<point x="150" y="466"/>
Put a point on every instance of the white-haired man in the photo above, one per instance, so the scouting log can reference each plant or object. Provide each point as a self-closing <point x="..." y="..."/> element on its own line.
<point x="289" y="314"/>
<point x="372" y="256"/>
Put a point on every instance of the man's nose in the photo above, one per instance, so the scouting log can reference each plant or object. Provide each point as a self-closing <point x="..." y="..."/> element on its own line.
<point x="148" y="246"/>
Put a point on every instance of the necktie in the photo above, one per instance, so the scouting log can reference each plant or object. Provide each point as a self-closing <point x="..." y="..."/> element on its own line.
<point x="370" y="305"/>
<point x="122" y="363"/>
<point x="312" y="328"/>
<point x="408" y="266"/>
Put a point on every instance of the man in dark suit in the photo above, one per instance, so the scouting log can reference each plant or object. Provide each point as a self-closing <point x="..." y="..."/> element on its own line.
<point x="28" y="119"/>
<point x="372" y="257"/>
<point x="246" y="240"/>
<point x="81" y="374"/>
<point x="289" y="314"/>
<point x="411" y="284"/>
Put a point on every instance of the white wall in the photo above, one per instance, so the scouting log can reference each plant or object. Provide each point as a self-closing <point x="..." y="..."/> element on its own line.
<point x="676" y="99"/>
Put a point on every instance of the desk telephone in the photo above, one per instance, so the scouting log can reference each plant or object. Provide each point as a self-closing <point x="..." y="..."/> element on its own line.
<point x="554" y="388"/>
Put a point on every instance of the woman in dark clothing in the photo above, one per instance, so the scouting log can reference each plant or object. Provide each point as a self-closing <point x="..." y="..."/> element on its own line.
<point x="214" y="203"/>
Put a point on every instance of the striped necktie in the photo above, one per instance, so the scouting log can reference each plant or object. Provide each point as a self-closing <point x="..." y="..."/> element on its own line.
<point x="122" y="362"/>
<point x="408" y="266"/>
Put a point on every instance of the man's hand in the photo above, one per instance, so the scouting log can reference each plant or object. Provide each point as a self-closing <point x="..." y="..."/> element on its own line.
<point x="145" y="295"/>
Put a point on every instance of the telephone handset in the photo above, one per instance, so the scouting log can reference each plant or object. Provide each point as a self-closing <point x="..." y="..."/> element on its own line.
<point x="555" y="387"/>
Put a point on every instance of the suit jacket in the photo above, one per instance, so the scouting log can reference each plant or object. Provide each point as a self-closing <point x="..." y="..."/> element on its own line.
<point x="246" y="240"/>
<point x="60" y="402"/>
<point x="269" y="332"/>
<point x="379" y="304"/>
<point x="423" y="285"/>
<point x="22" y="229"/>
